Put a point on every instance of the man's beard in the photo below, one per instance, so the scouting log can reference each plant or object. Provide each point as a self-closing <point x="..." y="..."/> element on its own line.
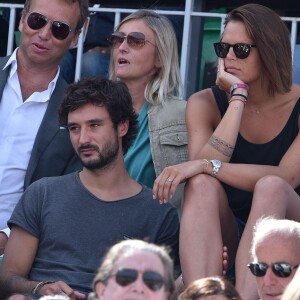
<point x="108" y="154"/>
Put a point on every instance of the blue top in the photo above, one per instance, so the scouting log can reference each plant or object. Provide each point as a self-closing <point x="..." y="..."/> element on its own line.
<point x="138" y="159"/>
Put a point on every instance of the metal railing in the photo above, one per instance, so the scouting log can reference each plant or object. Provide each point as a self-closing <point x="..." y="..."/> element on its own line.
<point x="187" y="63"/>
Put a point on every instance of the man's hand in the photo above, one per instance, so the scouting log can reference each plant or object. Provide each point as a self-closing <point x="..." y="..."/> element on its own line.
<point x="60" y="288"/>
<point x="3" y="241"/>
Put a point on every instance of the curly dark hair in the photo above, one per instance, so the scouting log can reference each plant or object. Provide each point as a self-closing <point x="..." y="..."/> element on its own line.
<point x="113" y="95"/>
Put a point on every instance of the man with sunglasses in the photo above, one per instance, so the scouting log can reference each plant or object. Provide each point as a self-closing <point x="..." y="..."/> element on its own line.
<point x="64" y="224"/>
<point x="32" y="145"/>
<point x="276" y="255"/>
<point x="134" y="269"/>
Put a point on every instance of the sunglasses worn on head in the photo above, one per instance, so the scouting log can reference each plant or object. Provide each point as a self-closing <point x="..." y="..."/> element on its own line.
<point x="283" y="270"/>
<point x="153" y="280"/>
<point x="134" y="39"/>
<point x="240" y="50"/>
<point x="60" y="30"/>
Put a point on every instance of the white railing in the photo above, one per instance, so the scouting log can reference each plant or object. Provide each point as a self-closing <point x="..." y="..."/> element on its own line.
<point x="186" y="63"/>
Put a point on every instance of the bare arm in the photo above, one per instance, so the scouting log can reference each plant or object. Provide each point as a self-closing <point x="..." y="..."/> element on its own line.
<point x="3" y="241"/>
<point x="18" y="259"/>
<point x="241" y="176"/>
<point x="210" y="136"/>
<point x="203" y="122"/>
<point x="245" y="176"/>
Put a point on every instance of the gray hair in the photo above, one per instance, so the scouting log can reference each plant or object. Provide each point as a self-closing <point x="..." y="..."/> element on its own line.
<point x="166" y="82"/>
<point x="116" y="251"/>
<point x="268" y="226"/>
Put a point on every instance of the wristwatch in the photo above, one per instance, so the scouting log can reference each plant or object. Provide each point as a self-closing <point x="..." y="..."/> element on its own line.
<point x="216" y="167"/>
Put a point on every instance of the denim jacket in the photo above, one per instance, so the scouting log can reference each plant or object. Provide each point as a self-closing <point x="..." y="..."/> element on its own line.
<point x="168" y="138"/>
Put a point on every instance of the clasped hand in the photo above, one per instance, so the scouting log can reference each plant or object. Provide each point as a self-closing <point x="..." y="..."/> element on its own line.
<point x="224" y="79"/>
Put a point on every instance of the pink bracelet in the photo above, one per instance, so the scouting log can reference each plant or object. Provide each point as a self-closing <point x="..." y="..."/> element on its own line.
<point x="238" y="86"/>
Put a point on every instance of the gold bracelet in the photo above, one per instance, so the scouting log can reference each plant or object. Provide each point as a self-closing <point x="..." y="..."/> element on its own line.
<point x="206" y="165"/>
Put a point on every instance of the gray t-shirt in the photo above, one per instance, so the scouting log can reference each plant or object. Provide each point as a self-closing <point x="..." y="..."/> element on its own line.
<point x="75" y="228"/>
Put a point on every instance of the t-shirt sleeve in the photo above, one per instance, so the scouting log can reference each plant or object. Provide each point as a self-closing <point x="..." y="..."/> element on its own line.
<point x="27" y="213"/>
<point x="168" y="234"/>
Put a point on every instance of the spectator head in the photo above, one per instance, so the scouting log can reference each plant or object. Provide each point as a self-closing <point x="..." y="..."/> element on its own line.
<point x="48" y="30"/>
<point x="275" y="254"/>
<point x="166" y="82"/>
<point x="135" y="268"/>
<point x="272" y="39"/>
<point x="83" y="8"/>
<point x="112" y="95"/>
<point x="216" y="288"/>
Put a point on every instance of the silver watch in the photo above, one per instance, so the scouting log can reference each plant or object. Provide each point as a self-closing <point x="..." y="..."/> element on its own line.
<point x="216" y="167"/>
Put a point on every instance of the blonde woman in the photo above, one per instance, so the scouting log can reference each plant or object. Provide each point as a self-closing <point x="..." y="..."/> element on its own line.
<point x="144" y="56"/>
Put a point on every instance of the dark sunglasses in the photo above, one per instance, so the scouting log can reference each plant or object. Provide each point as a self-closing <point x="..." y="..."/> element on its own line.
<point x="240" y="50"/>
<point x="283" y="270"/>
<point x="153" y="280"/>
<point x="134" y="39"/>
<point x="60" y="30"/>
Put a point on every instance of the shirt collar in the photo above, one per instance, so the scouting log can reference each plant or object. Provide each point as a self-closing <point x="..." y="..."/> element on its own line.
<point x="14" y="66"/>
<point x="13" y="62"/>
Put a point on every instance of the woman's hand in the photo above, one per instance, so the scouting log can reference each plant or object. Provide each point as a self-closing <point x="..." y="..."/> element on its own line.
<point x="224" y="79"/>
<point x="167" y="182"/>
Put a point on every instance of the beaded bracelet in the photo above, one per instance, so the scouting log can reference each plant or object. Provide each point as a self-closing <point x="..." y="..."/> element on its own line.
<point x="238" y="86"/>
<point x="39" y="285"/>
<point x="206" y="165"/>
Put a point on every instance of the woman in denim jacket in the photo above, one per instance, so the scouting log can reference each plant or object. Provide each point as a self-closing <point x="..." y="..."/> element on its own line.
<point x="145" y="57"/>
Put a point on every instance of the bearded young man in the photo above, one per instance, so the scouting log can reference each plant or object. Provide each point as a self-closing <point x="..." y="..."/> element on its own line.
<point x="64" y="225"/>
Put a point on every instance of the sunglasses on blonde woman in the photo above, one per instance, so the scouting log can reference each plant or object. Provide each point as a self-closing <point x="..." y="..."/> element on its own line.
<point x="240" y="50"/>
<point x="134" y="39"/>
<point x="283" y="270"/>
<point x="153" y="280"/>
<point x="36" y="21"/>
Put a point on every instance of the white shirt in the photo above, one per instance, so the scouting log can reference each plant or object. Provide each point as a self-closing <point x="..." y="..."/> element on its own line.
<point x="19" y="123"/>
